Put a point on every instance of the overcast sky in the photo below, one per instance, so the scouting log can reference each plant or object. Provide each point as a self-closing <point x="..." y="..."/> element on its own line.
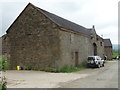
<point x="101" y="13"/>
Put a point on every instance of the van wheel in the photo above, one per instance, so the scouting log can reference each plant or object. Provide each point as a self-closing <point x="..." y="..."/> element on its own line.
<point x="103" y="64"/>
<point x="98" y="65"/>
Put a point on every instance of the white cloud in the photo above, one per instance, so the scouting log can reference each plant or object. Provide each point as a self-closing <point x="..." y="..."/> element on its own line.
<point x="109" y="32"/>
<point x="101" y="13"/>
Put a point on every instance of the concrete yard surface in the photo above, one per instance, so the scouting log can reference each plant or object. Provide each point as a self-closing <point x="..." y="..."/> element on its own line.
<point x="39" y="79"/>
<point x="104" y="77"/>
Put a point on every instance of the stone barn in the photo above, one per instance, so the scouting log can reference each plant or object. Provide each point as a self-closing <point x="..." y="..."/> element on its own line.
<point x="42" y="40"/>
<point x="108" y="48"/>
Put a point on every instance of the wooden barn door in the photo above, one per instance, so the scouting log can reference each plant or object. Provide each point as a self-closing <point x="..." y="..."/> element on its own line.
<point x="94" y="49"/>
<point x="76" y="58"/>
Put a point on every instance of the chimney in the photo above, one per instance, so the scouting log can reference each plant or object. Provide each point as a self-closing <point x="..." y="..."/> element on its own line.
<point x="93" y="27"/>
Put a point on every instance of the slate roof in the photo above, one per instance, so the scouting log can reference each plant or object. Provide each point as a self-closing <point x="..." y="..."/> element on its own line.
<point x="62" y="22"/>
<point x="99" y="37"/>
<point x="66" y="23"/>
<point x="107" y="42"/>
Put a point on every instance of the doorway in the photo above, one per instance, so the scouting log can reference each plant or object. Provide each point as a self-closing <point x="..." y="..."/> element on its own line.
<point x="94" y="49"/>
<point x="76" y="59"/>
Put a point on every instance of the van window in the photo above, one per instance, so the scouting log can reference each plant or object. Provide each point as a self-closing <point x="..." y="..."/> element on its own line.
<point x="91" y="58"/>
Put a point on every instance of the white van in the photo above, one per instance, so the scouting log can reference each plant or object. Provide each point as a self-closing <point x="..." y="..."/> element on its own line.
<point x="95" y="61"/>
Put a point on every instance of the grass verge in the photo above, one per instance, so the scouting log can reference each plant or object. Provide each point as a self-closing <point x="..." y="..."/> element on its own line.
<point x="67" y="69"/>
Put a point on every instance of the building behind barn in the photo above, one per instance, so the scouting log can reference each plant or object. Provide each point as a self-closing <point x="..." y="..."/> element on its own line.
<point x="108" y="48"/>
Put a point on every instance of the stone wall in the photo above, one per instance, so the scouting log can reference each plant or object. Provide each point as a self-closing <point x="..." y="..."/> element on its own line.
<point x="100" y="48"/>
<point x="4" y="46"/>
<point x="108" y="52"/>
<point x="72" y="42"/>
<point x="34" y="41"/>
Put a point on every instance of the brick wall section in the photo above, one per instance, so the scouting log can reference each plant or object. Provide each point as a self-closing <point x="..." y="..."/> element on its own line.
<point x="34" y="41"/>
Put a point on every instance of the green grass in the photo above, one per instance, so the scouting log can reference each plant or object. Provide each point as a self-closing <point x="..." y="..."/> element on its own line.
<point x="67" y="69"/>
<point x="115" y="53"/>
<point x="0" y="87"/>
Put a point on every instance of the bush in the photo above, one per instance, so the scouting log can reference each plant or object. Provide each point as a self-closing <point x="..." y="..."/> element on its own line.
<point x="3" y="63"/>
<point x="3" y="87"/>
<point x="28" y="68"/>
<point x="3" y="67"/>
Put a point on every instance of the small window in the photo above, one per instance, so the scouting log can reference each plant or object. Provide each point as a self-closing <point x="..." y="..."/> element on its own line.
<point x="100" y="43"/>
<point x="71" y="38"/>
<point x="29" y="34"/>
<point x="91" y="58"/>
<point x="98" y="59"/>
<point x="97" y="39"/>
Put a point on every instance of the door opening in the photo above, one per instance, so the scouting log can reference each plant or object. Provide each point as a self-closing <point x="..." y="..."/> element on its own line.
<point x="94" y="49"/>
<point x="76" y="59"/>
